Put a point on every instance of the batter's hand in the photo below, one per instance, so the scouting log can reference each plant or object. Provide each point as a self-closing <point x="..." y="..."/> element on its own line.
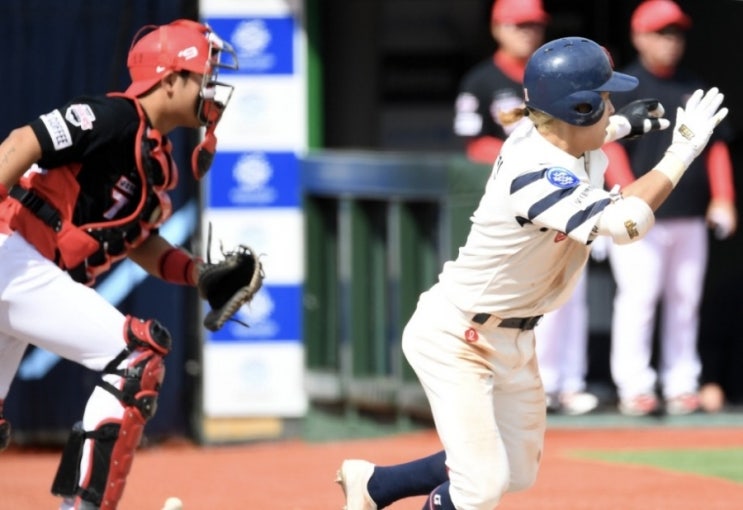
<point x="695" y="124"/>
<point x="636" y="118"/>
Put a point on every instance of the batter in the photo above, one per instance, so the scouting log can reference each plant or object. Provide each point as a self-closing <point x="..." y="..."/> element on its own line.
<point x="471" y="339"/>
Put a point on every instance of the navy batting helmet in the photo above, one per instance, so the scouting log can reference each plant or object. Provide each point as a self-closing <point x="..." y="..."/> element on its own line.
<point x="565" y="77"/>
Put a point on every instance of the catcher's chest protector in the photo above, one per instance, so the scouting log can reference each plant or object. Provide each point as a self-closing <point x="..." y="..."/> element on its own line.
<point x="88" y="250"/>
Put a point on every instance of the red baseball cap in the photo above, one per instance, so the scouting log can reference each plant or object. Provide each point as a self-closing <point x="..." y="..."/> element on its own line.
<point x="518" y="11"/>
<point x="654" y="15"/>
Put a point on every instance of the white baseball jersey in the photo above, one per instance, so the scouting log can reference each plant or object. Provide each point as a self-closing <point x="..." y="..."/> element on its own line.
<point x="531" y="232"/>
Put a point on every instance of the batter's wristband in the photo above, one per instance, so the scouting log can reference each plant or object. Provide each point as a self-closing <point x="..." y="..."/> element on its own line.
<point x="176" y="266"/>
<point x="3" y="192"/>
<point x="673" y="166"/>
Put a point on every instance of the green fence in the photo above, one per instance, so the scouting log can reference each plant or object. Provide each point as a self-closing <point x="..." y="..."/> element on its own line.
<point x="378" y="228"/>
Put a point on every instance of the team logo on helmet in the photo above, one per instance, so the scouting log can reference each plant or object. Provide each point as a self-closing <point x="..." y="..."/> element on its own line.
<point x="562" y="177"/>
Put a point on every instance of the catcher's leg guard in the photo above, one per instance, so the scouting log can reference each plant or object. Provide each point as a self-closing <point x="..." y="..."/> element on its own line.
<point x="141" y="371"/>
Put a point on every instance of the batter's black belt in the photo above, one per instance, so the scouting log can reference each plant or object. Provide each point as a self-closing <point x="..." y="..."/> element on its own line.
<point x="525" y="323"/>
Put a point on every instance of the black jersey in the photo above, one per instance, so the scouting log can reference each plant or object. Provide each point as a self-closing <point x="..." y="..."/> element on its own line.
<point x="691" y="196"/>
<point x="99" y="188"/>
<point x="484" y="91"/>
<point x="99" y="134"/>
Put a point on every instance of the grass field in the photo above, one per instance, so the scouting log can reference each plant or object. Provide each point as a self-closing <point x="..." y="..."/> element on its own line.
<point x="724" y="463"/>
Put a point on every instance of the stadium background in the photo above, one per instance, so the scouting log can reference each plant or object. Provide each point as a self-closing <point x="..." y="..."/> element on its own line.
<point x="384" y="84"/>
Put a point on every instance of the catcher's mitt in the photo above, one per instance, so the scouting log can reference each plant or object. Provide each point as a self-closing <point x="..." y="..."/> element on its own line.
<point x="229" y="284"/>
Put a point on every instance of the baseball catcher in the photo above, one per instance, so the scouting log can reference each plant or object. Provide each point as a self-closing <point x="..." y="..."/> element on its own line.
<point x="83" y="187"/>
<point x="229" y="284"/>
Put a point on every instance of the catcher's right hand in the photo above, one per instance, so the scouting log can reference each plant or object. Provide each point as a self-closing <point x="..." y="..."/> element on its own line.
<point x="229" y="284"/>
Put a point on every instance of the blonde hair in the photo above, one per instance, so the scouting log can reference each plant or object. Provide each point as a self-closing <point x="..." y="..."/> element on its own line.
<point x="516" y="114"/>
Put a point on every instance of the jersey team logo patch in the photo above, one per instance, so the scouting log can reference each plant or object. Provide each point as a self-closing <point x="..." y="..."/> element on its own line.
<point x="562" y="177"/>
<point x="80" y="115"/>
<point x="471" y="336"/>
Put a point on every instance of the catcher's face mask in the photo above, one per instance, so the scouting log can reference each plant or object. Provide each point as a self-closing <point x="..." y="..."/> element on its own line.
<point x="213" y="99"/>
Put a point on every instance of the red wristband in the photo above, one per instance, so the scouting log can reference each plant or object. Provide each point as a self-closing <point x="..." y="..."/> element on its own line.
<point x="3" y="192"/>
<point x="176" y="266"/>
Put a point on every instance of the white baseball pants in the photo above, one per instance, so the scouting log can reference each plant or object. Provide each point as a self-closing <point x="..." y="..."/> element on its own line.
<point x="667" y="265"/>
<point x="486" y="398"/>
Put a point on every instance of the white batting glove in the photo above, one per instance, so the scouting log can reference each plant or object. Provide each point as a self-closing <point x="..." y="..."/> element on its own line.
<point x="694" y="126"/>
<point x="636" y="118"/>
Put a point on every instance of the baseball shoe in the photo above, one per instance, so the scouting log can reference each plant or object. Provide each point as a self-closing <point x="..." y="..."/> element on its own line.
<point x="353" y="477"/>
<point x="577" y="403"/>
<point x="685" y="403"/>
<point x="641" y="405"/>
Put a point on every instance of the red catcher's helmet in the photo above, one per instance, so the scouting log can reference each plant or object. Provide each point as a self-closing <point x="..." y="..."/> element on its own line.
<point x="180" y="45"/>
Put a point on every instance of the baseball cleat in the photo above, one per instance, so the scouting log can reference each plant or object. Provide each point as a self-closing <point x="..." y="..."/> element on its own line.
<point x="353" y="477"/>
<point x="577" y="403"/>
<point x="686" y="403"/>
<point x="641" y="405"/>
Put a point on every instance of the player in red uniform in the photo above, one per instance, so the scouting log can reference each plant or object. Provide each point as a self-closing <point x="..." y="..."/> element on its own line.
<point x="81" y="187"/>
<point x="494" y="86"/>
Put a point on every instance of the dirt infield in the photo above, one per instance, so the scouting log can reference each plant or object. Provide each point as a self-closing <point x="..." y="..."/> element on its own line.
<point x="296" y="475"/>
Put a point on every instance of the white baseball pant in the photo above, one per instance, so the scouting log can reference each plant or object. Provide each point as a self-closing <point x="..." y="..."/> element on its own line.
<point x="41" y="305"/>
<point x="486" y="398"/>
<point x="668" y="264"/>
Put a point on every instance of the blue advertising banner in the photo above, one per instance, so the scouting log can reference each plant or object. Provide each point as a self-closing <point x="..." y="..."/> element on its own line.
<point x="264" y="45"/>
<point x="254" y="179"/>
<point x="273" y="316"/>
<point x="252" y="196"/>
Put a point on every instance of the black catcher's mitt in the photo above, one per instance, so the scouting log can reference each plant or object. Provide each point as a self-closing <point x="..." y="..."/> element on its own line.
<point x="229" y="284"/>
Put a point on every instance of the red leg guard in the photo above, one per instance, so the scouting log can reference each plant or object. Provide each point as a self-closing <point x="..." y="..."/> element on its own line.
<point x="132" y="425"/>
<point x="115" y="440"/>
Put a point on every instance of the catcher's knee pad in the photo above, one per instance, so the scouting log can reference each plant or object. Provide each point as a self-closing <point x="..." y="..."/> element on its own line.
<point x="114" y="441"/>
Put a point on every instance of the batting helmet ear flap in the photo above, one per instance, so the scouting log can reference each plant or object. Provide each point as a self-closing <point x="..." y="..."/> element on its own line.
<point x="585" y="107"/>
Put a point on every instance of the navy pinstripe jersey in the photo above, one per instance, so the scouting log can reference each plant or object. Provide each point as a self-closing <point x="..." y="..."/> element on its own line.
<point x="531" y="232"/>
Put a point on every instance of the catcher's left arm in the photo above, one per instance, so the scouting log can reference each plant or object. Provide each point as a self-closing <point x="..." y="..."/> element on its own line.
<point x="226" y="285"/>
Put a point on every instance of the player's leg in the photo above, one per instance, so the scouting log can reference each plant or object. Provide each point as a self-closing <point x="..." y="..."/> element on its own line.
<point x="460" y="369"/>
<point x="680" y="366"/>
<point x="638" y="270"/>
<point x="370" y="487"/>
<point x="521" y="421"/>
<point x="99" y="454"/>
<point x="11" y="349"/>
<point x="574" y="397"/>
<point x="562" y="343"/>
<point x="551" y="336"/>
<point x="82" y="326"/>
<point x="11" y="354"/>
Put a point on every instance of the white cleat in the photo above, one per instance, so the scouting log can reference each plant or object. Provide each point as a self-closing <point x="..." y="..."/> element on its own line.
<point x="578" y="403"/>
<point x="353" y="477"/>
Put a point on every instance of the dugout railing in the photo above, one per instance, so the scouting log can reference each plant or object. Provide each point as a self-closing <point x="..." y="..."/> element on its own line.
<point x="378" y="227"/>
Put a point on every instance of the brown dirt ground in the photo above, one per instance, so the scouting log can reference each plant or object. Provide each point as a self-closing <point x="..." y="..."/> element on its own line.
<point x="295" y="475"/>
